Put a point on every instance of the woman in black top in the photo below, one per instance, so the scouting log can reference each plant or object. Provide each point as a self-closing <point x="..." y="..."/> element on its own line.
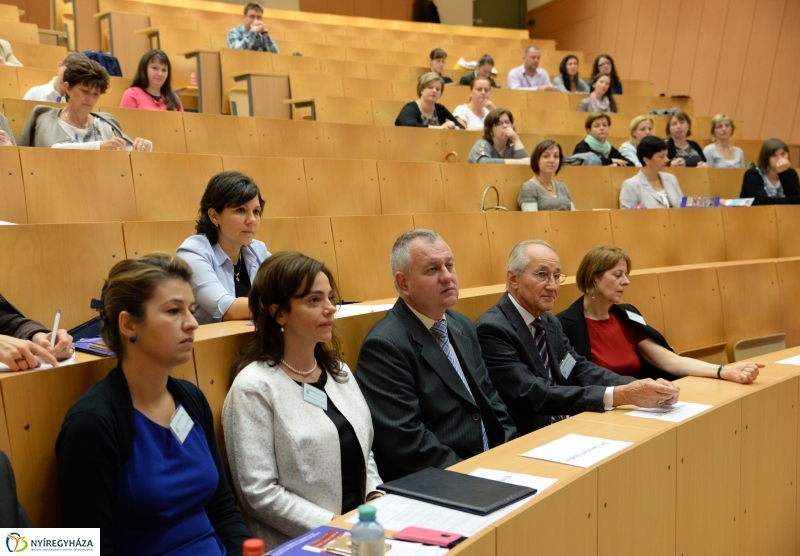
<point x="596" y="141"/>
<point x="680" y="150"/>
<point x="426" y="111"/>
<point x="772" y="182"/>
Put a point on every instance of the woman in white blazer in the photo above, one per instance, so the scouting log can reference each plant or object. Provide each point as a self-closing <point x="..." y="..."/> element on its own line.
<point x="297" y="429"/>
<point x="651" y="188"/>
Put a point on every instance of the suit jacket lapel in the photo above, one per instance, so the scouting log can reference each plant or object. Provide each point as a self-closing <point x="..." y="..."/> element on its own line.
<point x="552" y="337"/>
<point x="431" y="352"/>
<point x="524" y="335"/>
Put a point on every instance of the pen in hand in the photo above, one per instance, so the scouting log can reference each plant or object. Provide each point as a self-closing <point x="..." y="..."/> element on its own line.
<point x="55" y="328"/>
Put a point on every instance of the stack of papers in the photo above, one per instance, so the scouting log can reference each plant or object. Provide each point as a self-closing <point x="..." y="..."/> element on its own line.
<point x="672" y="413"/>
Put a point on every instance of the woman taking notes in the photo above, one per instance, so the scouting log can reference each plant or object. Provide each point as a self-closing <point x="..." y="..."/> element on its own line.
<point x="137" y="454"/>
<point x="616" y="336"/>
<point x="151" y="88"/>
<point x="542" y="191"/>
<point x="297" y="429"/>
<point x="224" y="255"/>
<point x="76" y="126"/>
<point x="473" y="114"/>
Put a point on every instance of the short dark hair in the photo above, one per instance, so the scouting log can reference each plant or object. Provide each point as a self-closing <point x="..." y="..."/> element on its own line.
<point x="649" y="146"/>
<point x="141" y="80"/>
<point x="280" y="278"/>
<point x="438" y="54"/>
<point x="130" y="285"/>
<point x="682" y="116"/>
<point x="476" y="79"/>
<point x="86" y="72"/>
<point x="224" y="190"/>
<point x="491" y="120"/>
<point x="253" y="6"/>
<point x="539" y="151"/>
<point x="770" y="147"/>
<point x="590" y="119"/>
<point x="485" y="59"/>
<point x="73" y="57"/>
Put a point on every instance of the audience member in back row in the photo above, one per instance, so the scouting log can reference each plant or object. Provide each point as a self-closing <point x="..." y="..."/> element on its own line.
<point x="596" y="141"/>
<point x="601" y="99"/>
<point x="421" y="369"/>
<point x="53" y="91"/>
<point x="542" y="191"/>
<point x="604" y="64"/>
<point x="772" y="181"/>
<point x="425" y="111"/>
<point x="483" y="69"/>
<point x="251" y="34"/>
<point x="500" y="143"/>
<point x="437" y="61"/>
<point x="651" y="188"/>
<point x="151" y="88"/>
<point x="683" y="152"/>
<point x="529" y="76"/>
<point x="137" y="453"/>
<point x="473" y="114"/>
<point x="720" y="153"/>
<point x="7" y="57"/>
<point x="23" y="339"/>
<point x="6" y="135"/>
<point x="568" y="80"/>
<point x="641" y="127"/>
<point x="76" y="126"/>
<point x="224" y="254"/>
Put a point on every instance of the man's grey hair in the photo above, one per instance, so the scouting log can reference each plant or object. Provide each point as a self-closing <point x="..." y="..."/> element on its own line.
<point x="400" y="259"/>
<point x="531" y="47"/>
<point x="518" y="259"/>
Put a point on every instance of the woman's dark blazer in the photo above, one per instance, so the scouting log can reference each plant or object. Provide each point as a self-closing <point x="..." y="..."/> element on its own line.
<point x="573" y="322"/>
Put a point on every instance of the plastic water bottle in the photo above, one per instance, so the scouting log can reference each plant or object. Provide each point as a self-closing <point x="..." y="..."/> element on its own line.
<point x="368" y="535"/>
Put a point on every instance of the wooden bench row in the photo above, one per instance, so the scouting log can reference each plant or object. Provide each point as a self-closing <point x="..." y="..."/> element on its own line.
<point x="163" y="186"/>
<point x="53" y="266"/>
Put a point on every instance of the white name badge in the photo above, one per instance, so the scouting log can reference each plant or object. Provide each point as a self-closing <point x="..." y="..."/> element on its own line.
<point x="315" y="396"/>
<point x="636" y="318"/>
<point x="180" y="424"/>
<point x="567" y="365"/>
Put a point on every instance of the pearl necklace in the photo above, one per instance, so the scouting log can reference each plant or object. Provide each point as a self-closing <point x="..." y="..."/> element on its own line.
<point x="301" y="373"/>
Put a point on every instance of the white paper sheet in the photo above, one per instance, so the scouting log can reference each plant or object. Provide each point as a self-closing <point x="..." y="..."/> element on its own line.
<point x="400" y="548"/>
<point x="578" y="450"/>
<point x="5" y="369"/>
<point x="354" y="309"/>
<point x="672" y="413"/>
<point x="791" y="360"/>
<point x="519" y="479"/>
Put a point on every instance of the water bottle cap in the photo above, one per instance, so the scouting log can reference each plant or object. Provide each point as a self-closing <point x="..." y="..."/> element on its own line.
<point x="366" y="512"/>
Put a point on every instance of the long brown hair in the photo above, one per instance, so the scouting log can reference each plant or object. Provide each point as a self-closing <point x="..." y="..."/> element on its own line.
<point x="280" y="278"/>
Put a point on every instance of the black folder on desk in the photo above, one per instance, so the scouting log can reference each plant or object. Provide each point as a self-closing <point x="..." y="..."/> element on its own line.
<point x="458" y="491"/>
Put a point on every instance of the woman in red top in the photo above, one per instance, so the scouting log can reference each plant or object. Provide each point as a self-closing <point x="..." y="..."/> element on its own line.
<point x="616" y="336"/>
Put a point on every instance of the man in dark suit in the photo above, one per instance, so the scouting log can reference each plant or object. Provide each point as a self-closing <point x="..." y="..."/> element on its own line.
<point x="421" y="371"/>
<point x="530" y="361"/>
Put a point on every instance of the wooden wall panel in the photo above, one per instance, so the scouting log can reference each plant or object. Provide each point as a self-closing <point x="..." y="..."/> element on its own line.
<point x="666" y="30"/>
<point x="734" y="50"/>
<point x="684" y="47"/>
<point x="642" y="51"/>
<point x="625" y="45"/>
<point x="557" y="16"/>
<point x="579" y="37"/>
<point x="780" y="102"/>
<point x="342" y="7"/>
<point x="709" y="45"/>
<point x="757" y="74"/>
<point x="608" y="26"/>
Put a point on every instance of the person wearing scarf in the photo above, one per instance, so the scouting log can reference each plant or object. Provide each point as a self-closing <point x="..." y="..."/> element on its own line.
<point x="596" y="141"/>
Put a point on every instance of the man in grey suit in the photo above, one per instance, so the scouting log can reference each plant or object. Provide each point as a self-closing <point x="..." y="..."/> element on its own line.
<point x="421" y="370"/>
<point x="530" y="360"/>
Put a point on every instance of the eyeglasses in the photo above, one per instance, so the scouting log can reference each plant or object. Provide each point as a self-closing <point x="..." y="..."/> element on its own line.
<point x="504" y="122"/>
<point x="544" y="276"/>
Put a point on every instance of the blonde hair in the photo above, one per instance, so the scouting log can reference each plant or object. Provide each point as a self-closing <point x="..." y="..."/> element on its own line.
<point x="718" y="119"/>
<point x="426" y="79"/>
<point x="635" y="123"/>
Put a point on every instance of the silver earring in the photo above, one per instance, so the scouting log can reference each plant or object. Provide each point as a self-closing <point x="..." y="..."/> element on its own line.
<point x="281" y="329"/>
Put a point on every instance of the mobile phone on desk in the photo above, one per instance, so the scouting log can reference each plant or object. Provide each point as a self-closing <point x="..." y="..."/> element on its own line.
<point x="429" y="536"/>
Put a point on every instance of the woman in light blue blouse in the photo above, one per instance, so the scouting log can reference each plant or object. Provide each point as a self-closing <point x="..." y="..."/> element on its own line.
<point x="224" y="254"/>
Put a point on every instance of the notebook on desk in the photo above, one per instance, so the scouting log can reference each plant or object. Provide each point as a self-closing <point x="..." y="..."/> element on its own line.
<point x="458" y="491"/>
